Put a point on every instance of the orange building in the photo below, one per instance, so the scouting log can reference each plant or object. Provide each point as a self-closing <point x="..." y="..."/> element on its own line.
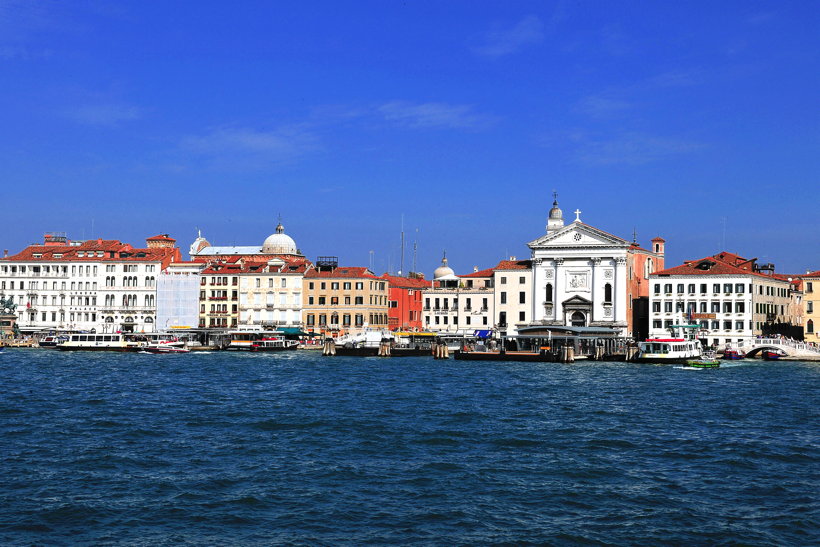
<point x="642" y="262"/>
<point x="406" y="302"/>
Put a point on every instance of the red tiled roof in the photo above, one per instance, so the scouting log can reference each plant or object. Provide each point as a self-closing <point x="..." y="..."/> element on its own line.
<point x="812" y="274"/>
<point x="488" y="272"/>
<point x="161" y="237"/>
<point x="343" y="271"/>
<point x="514" y="265"/>
<point x="72" y="253"/>
<point x="407" y="282"/>
<point x="721" y="264"/>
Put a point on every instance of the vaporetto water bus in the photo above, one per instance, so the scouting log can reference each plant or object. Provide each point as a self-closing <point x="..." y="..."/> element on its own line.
<point x="100" y="342"/>
<point x="680" y="347"/>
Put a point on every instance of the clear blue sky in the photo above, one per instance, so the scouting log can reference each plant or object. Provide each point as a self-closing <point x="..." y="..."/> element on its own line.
<point x="664" y="117"/>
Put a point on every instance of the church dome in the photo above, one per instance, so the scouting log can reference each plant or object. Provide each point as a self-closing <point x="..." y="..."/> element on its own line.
<point x="279" y="243"/>
<point x="556" y="213"/>
<point x="444" y="270"/>
<point x="198" y="244"/>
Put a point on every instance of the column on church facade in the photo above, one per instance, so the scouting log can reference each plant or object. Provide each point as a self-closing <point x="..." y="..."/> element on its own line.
<point x="596" y="292"/>
<point x="559" y="294"/>
<point x="538" y="284"/>
<point x="620" y="307"/>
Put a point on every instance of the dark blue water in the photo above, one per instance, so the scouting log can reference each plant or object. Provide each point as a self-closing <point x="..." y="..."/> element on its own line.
<point x="260" y="449"/>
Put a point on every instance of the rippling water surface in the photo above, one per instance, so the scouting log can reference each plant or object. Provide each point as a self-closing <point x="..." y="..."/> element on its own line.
<point x="259" y="449"/>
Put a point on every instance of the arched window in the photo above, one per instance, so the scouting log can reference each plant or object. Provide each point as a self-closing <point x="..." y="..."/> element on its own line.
<point x="548" y="295"/>
<point x="608" y="293"/>
<point x="578" y="319"/>
<point x="810" y="327"/>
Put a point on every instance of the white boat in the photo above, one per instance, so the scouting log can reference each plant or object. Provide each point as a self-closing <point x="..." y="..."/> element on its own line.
<point x="680" y="347"/>
<point x="166" y="346"/>
<point x="99" y="342"/>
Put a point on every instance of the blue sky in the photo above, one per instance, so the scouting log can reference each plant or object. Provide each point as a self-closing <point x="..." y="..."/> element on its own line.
<point x="696" y="121"/>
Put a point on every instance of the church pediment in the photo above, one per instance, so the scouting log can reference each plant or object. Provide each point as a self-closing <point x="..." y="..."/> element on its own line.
<point x="576" y="301"/>
<point x="577" y="234"/>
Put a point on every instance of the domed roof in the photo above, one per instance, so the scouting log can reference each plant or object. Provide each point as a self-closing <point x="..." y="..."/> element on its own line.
<point x="556" y="213"/>
<point x="279" y="243"/>
<point x="444" y="270"/>
<point x="198" y="244"/>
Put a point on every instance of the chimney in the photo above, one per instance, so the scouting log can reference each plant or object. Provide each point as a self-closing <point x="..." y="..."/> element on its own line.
<point x="6" y="254"/>
<point x="513" y="258"/>
<point x="475" y="269"/>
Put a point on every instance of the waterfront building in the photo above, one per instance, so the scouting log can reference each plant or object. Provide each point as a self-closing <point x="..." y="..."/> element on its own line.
<point x="178" y="288"/>
<point x="512" y="280"/>
<point x="406" y="301"/>
<point x="343" y="300"/>
<point x="219" y="295"/>
<point x="276" y="244"/>
<point x="459" y="304"/>
<point x="732" y="298"/>
<point x="811" y="310"/>
<point x="585" y="277"/>
<point x="270" y="293"/>
<point x="96" y="285"/>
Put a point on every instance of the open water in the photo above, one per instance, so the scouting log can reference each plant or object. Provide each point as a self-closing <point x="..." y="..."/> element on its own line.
<point x="239" y="449"/>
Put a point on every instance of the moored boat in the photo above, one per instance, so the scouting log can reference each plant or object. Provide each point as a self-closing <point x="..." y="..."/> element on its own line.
<point x="772" y="354"/>
<point x="733" y="354"/>
<point x="99" y="342"/>
<point x="680" y="347"/>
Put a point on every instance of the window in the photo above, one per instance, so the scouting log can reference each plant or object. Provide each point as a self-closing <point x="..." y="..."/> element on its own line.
<point x="739" y="325"/>
<point x="667" y="307"/>
<point x="809" y="286"/>
<point x="740" y="307"/>
<point x="810" y="326"/>
<point x="656" y="307"/>
<point x="522" y="316"/>
<point x="522" y="297"/>
<point x="703" y="288"/>
<point x="679" y="306"/>
<point x="727" y="287"/>
<point x="656" y="324"/>
<point x="322" y="301"/>
<point x="667" y="288"/>
<point x="549" y="292"/>
<point x="691" y="288"/>
<point x="680" y="288"/>
<point x="503" y="298"/>
<point x="334" y="286"/>
<point x="657" y="288"/>
<point x="809" y="307"/>
<point x="727" y="307"/>
<point x="608" y="293"/>
<point x="359" y="285"/>
<point x="727" y="325"/>
<point x="703" y="307"/>
<point x="522" y="280"/>
<point x="715" y="307"/>
<point x="739" y="288"/>
<point x="359" y="300"/>
<point x="716" y="288"/>
<point x="502" y="319"/>
<point x="346" y="285"/>
<point x="504" y="281"/>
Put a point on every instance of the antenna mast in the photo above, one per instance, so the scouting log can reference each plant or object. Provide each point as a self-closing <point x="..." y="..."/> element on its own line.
<point x="401" y="262"/>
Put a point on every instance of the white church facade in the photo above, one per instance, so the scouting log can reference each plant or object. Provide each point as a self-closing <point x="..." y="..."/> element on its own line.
<point x="580" y="276"/>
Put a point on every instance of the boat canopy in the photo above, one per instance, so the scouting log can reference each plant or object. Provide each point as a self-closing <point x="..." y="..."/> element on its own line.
<point x="482" y="333"/>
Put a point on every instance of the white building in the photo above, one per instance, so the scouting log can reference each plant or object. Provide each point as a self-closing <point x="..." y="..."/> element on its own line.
<point x="730" y="297"/>
<point x="512" y="297"/>
<point x="178" y="289"/>
<point x="580" y="276"/>
<point x="96" y="285"/>
<point x="459" y="304"/>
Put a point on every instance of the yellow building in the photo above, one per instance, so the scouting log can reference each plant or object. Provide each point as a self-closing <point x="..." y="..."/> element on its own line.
<point x="811" y="303"/>
<point x="341" y="300"/>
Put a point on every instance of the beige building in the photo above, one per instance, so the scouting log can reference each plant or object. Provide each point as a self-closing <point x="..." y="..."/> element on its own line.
<point x="271" y="293"/>
<point x="219" y="295"/>
<point x="341" y="300"/>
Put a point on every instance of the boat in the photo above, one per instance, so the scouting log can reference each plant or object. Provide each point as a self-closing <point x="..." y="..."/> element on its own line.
<point x="99" y="342"/>
<point x="708" y="360"/>
<point x="52" y="341"/>
<point x="680" y="347"/>
<point x="412" y="344"/>
<point x="274" y="343"/>
<point x="166" y="346"/>
<point x="772" y="354"/>
<point x="733" y="354"/>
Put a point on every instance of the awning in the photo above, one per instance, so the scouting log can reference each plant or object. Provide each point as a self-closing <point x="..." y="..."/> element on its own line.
<point x="482" y="333"/>
<point x="294" y="331"/>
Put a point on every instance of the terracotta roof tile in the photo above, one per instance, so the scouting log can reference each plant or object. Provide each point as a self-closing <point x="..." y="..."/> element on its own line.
<point x="407" y="282"/>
